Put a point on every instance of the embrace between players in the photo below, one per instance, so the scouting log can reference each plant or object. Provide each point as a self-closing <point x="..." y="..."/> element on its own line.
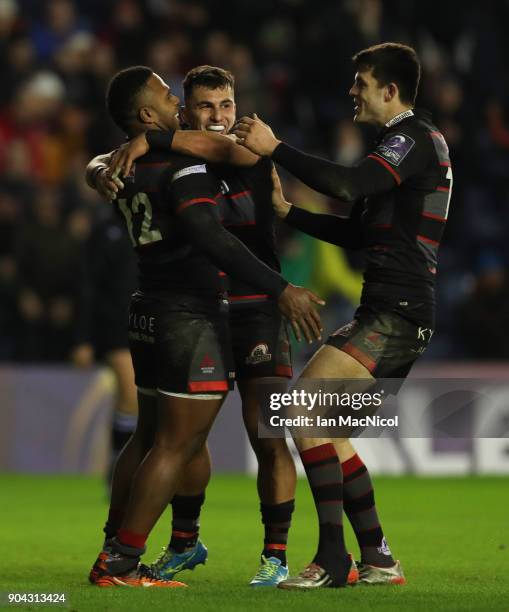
<point x="200" y="212"/>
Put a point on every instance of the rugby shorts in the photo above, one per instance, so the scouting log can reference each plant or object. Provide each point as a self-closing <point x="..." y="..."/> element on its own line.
<point x="385" y="339"/>
<point x="260" y="341"/>
<point x="180" y="344"/>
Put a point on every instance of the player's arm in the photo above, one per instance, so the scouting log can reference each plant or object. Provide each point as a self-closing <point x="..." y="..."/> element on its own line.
<point x="380" y="171"/>
<point x="214" y="148"/>
<point x="192" y="193"/>
<point x="345" y="232"/>
<point x="98" y="177"/>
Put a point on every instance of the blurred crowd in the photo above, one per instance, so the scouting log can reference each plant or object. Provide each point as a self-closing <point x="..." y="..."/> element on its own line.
<point x="291" y="60"/>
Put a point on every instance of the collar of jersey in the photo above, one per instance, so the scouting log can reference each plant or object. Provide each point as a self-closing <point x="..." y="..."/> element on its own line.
<point x="400" y="117"/>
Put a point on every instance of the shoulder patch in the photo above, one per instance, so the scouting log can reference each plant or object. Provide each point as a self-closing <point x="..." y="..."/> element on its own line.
<point x="198" y="169"/>
<point x="395" y="148"/>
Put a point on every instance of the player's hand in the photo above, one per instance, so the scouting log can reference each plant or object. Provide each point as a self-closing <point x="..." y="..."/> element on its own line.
<point x="82" y="356"/>
<point x="124" y="157"/>
<point x="106" y="185"/>
<point x="297" y="305"/>
<point x="280" y="205"/>
<point x="255" y="135"/>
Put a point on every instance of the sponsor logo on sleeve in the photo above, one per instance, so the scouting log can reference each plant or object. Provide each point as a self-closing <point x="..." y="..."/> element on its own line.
<point x="395" y="148"/>
<point x="198" y="169"/>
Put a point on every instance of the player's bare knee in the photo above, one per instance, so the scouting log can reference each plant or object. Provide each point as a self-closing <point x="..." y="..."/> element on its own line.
<point x="270" y="449"/>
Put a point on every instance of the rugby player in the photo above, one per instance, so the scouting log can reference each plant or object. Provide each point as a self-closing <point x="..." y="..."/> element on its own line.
<point x="260" y="341"/>
<point x="178" y="330"/>
<point x="401" y="193"/>
<point x="101" y="333"/>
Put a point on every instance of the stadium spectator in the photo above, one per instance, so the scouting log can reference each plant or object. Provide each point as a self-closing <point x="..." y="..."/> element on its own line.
<point x="290" y="69"/>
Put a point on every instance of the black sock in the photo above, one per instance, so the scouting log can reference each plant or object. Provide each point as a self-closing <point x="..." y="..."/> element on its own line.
<point x="325" y="478"/>
<point x="276" y="519"/>
<point x="124" y="558"/>
<point x="186" y="521"/>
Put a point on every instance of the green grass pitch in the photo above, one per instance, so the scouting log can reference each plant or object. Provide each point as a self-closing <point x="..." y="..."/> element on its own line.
<point x="452" y="536"/>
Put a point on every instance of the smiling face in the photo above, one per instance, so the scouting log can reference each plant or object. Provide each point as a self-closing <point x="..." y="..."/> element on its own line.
<point x="158" y="105"/>
<point x="370" y="98"/>
<point x="210" y="110"/>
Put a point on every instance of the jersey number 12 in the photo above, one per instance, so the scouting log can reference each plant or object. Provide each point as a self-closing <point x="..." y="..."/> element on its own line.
<point x="139" y="229"/>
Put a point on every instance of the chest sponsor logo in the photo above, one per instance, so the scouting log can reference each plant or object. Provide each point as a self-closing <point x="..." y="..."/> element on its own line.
<point x="259" y="354"/>
<point x="395" y="148"/>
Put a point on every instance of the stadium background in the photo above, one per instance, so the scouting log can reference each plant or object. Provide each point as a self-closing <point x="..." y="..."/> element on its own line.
<point x="293" y="69"/>
<point x="292" y="66"/>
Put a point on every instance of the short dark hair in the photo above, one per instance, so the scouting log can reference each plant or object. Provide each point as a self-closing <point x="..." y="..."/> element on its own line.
<point x="392" y="63"/>
<point x="122" y="91"/>
<point x="210" y="77"/>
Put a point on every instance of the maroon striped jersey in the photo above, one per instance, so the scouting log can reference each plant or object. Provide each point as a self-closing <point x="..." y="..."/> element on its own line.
<point x="246" y="208"/>
<point x="171" y="206"/>
<point x="401" y="190"/>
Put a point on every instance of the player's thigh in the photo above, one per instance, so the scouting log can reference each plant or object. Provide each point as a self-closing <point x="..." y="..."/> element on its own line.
<point x="332" y="363"/>
<point x="183" y="422"/>
<point x="329" y="363"/>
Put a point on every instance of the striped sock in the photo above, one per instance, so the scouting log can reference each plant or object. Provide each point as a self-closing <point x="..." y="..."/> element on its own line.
<point x="276" y="519"/>
<point x="186" y="521"/>
<point x="325" y="478"/>
<point x="360" y="508"/>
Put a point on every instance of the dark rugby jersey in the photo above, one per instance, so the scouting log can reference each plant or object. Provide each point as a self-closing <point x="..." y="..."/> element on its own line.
<point x="169" y="203"/>
<point x="246" y="209"/>
<point x="404" y="189"/>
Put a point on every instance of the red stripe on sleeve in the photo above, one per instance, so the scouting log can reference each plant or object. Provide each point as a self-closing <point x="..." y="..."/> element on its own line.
<point x="256" y="296"/>
<point x="196" y="201"/>
<point x="388" y="167"/>
<point x="240" y="194"/>
<point x="428" y="240"/>
<point x="435" y="217"/>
